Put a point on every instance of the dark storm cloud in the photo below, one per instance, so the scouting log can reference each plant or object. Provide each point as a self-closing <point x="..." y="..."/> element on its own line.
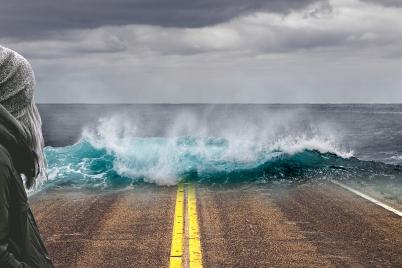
<point x="250" y="51"/>
<point x="33" y="19"/>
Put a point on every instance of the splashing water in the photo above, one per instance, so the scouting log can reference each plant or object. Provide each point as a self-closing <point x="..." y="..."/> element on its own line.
<point x="113" y="156"/>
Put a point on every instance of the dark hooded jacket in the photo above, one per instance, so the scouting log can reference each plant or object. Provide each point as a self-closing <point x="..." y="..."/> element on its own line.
<point x="20" y="242"/>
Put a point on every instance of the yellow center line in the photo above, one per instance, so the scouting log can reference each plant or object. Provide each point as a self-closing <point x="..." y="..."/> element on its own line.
<point x="195" y="255"/>
<point x="176" y="251"/>
<point x="194" y="244"/>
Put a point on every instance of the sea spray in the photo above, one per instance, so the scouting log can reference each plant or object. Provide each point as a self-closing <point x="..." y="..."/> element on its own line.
<point x="208" y="147"/>
<point x="112" y="155"/>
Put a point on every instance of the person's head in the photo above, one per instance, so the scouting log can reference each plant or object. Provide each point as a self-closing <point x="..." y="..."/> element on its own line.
<point x="17" y="83"/>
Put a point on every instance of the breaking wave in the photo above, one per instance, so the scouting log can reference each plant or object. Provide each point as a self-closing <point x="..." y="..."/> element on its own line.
<point x="115" y="157"/>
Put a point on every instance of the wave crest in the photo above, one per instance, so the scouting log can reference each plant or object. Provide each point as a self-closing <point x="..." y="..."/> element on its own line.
<point x="113" y="155"/>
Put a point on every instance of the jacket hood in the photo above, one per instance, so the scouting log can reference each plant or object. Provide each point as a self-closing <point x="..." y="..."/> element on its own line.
<point x="16" y="141"/>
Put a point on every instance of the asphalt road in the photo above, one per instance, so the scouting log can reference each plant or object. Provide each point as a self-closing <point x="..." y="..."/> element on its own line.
<point x="309" y="225"/>
<point x="120" y="229"/>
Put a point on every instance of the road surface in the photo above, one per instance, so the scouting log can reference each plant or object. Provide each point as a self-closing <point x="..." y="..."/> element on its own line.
<point x="306" y="225"/>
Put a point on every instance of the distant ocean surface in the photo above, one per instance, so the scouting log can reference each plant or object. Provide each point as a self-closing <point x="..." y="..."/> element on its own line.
<point x="118" y="145"/>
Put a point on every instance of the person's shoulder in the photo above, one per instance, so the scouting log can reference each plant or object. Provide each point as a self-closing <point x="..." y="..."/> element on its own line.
<point x="5" y="159"/>
<point x="5" y="169"/>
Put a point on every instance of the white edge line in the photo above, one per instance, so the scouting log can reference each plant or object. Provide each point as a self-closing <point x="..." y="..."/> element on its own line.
<point x="369" y="198"/>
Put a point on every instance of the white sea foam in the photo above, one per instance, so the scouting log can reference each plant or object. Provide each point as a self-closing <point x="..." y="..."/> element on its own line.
<point x="189" y="144"/>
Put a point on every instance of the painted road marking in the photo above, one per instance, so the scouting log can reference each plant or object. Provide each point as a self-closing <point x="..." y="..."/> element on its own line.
<point x="369" y="198"/>
<point x="176" y="251"/>
<point x="194" y="248"/>
<point x="191" y="216"/>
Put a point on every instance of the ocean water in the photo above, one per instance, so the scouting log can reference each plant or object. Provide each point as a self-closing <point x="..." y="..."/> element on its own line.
<point x="106" y="146"/>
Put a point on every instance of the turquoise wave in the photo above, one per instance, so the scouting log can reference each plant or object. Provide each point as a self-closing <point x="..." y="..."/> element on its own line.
<point x="166" y="161"/>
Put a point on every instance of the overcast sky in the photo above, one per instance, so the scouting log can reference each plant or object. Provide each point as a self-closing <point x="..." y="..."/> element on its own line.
<point x="260" y="51"/>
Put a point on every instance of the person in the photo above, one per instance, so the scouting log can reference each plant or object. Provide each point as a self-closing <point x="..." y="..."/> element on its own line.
<point x="21" y="163"/>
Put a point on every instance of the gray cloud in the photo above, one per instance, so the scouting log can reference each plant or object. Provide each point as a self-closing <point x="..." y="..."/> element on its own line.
<point x="390" y="3"/>
<point x="336" y="51"/>
<point x="33" y="19"/>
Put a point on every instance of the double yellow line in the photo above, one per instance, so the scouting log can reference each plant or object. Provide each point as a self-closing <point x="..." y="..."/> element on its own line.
<point x="193" y="234"/>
